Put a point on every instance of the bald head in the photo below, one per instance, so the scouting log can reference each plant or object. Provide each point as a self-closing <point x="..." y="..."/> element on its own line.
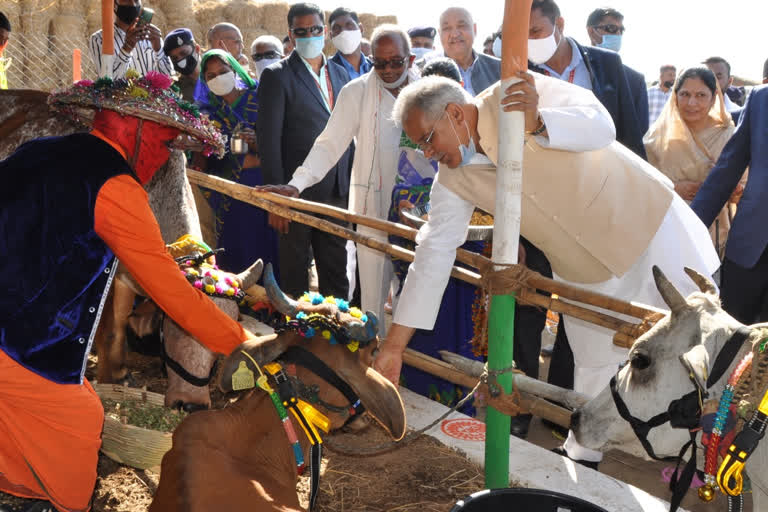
<point x="227" y="37"/>
<point x="457" y="11"/>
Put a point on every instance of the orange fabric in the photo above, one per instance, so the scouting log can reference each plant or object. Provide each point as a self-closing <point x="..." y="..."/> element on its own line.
<point x="50" y="435"/>
<point x="125" y="222"/>
<point x="99" y="134"/>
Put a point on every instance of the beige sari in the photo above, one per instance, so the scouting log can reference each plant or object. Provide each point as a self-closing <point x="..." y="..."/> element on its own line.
<point x="683" y="155"/>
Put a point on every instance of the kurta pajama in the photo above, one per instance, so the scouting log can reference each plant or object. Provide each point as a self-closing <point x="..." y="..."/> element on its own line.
<point x="363" y="112"/>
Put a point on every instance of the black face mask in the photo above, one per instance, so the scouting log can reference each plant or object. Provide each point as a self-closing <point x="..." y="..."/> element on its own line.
<point x="669" y="83"/>
<point x="127" y="13"/>
<point x="189" y="65"/>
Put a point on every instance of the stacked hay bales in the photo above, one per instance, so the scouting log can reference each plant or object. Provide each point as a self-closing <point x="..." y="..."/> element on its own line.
<point x="46" y="31"/>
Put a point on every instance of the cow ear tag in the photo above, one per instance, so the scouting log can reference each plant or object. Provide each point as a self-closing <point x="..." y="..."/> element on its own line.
<point x="242" y="378"/>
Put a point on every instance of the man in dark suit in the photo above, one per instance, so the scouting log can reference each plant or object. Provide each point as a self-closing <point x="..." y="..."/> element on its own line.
<point x="296" y="97"/>
<point x="605" y="27"/>
<point x="744" y="274"/>
<point x="601" y="71"/>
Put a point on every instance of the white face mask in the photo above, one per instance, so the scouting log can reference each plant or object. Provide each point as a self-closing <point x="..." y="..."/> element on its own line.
<point x="541" y="50"/>
<point x="222" y="84"/>
<point x="497" y="47"/>
<point x="420" y="52"/>
<point x="347" y="41"/>
<point x="262" y="64"/>
<point x="400" y="81"/>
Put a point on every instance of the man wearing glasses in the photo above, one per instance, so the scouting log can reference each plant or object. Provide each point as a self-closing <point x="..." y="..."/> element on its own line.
<point x="297" y="96"/>
<point x="605" y="27"/>
<point x="364" y="111"/>
<point x="601" y="71"/>
<point x="347" y="38"/>
<point x="265" y="51"/>
<point x="227" y="37"/>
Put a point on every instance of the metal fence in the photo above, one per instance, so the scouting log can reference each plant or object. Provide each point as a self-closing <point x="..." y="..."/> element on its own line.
<point x="45" y="62"/>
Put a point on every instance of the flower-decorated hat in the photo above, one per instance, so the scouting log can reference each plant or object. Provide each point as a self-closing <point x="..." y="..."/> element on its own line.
<point x="147" y="97"/>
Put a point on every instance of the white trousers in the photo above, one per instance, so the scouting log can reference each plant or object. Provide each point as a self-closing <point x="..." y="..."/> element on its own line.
<point x="376" y="277"/>
<point x="681" y="241"/>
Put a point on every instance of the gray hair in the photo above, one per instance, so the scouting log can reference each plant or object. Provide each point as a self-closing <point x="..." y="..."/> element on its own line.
<point x="267" y="39"/>
<point x="393" y="32"/>
<point x="430" y="95"/>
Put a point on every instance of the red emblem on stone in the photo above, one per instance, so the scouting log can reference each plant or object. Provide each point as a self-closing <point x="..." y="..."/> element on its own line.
<point x="465" y="429"/>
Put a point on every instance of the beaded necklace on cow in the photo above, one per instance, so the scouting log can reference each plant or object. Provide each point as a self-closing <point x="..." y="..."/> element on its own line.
<point x="741" y="399"/>
<point x="199" y="268"/>
<point x="285" y="398"/>
<point x="684" y="412"/>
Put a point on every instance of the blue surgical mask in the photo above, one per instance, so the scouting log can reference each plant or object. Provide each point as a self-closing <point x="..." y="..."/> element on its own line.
<point x="310" y="47"/>
<point x="467" y="151"/>
<point x="611" y="42"/>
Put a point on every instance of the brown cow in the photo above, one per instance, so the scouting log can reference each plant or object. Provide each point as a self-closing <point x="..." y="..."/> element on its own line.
<point x="239" y="458"/>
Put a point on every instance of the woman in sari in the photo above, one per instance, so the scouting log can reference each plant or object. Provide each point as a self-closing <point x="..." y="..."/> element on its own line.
<point x="686" y="140"/>
<point x="230" y="101"/>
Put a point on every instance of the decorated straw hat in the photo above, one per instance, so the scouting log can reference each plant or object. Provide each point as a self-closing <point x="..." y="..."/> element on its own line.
<point x="148" y="97"/>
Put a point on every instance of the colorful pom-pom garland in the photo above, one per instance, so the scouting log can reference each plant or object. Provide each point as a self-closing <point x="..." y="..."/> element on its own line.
<point x="308" y="325"/>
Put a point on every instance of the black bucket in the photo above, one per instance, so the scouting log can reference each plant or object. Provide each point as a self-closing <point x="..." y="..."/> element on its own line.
<point x="523" y="500"/>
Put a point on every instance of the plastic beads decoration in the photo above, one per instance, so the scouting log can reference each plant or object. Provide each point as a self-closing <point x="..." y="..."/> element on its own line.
<point x="199" y="268"/>
<point x="308" y="325"/>
<point x="149" y="97"/>
<point x="707" y="491"/>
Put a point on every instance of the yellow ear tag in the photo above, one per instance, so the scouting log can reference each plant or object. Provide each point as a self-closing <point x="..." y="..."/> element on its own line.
<point x="242" y="378"/>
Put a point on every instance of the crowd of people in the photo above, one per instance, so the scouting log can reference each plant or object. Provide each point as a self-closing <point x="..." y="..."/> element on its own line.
<point x="400" y="122"/>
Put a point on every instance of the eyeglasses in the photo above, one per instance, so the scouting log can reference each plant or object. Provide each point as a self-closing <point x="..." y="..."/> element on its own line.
<point x="396" y="63"/>
<point x="611" y="29"/>
<point x="314" y="30"/>
<point x="272" y="54"/>
<point x="427" y="143"/>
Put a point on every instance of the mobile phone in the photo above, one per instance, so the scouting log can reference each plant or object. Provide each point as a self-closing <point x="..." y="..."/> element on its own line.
<point x="145" y="16"/>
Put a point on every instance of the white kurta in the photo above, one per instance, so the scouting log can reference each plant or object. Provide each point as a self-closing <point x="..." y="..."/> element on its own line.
<point x="363" y="112"/>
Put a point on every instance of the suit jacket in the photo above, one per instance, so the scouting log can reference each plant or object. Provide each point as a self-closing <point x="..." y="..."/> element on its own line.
<point x="577" y="207"/>
<point x="611" y="85"/>
<point x="292" y="114"/>
<point x="486" y="72"/>
<point x="640" y="95"/>
<point x="748" y="237"/>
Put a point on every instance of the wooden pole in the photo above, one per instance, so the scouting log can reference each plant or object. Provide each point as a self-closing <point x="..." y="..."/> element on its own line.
<point x="626" y="331"/>
<point x="506" y="235"/>
<point x="478" y="261"/>
<point x="537" y="406"/>
<point x="108" y="37"/>
<point x="76" y="65"/>
<point x="571" y="399"/>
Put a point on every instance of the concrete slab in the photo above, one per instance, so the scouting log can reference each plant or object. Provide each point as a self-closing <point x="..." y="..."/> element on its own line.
<point x="530" y="466"/>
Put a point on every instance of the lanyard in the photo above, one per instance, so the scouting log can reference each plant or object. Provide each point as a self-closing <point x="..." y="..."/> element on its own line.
<point x="329" y="98"/>
<point x="571" y="76"/>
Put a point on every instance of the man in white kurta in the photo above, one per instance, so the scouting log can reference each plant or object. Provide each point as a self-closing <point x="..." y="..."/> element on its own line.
<point x="363" y="112"/>
<point x="600" y="214"/>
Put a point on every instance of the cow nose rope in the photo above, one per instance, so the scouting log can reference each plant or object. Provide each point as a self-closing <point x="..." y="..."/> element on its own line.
<point x="488" y="377"/>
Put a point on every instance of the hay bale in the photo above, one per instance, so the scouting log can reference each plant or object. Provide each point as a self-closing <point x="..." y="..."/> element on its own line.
<point x="180" y="13"/>
<point x="207" y="15"/>
<point x="274" y="18"/>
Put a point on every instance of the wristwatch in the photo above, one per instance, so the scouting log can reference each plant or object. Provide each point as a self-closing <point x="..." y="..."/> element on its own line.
<point x="540" y="128"/>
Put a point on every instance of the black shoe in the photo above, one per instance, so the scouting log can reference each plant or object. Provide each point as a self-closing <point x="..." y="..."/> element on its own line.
<point x="518" y="425"/>
<point x="586" y="463"/>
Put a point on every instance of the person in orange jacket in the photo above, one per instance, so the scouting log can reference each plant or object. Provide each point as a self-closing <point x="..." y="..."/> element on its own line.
<point x="68" y="207"/>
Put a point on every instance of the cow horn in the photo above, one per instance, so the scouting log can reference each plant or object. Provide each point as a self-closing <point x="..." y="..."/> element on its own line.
<point x="364" y="332"/>
<point x="704" y="284"/>
<point x="249" y="276"/>
<point x="279" y="300"/>
<point x="672" y="298"/>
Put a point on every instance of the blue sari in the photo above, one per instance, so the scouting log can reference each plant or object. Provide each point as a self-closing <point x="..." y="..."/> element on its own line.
<point x="241" y="229"/>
